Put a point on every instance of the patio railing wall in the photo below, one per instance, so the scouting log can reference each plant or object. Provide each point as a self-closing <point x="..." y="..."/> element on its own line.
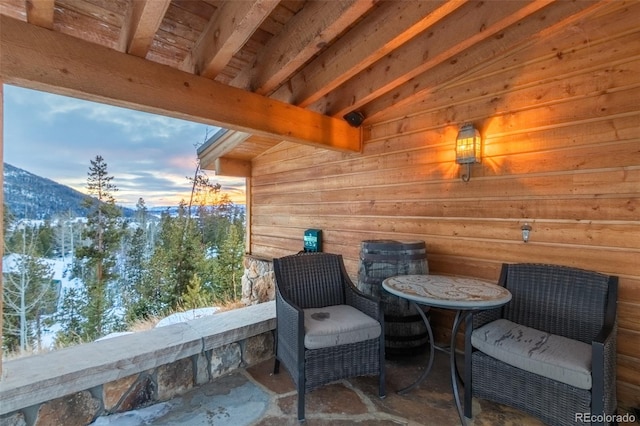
<point x="75" y="385"/>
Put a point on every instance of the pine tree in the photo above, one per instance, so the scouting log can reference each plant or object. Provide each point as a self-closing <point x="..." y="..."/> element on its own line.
<point x="141" y="213"/>
<point x="72" y="317"/>
<point x="228" y="268"/>
<point x="134" y="268"/>
<point x="196" y="296"/>
<point x="46" y="240"/>
<point x="182" y="244"/>
<point x="178" y="256"/>
<point x="96" y="259"/>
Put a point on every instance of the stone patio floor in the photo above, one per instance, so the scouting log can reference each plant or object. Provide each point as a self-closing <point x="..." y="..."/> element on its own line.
<point x="254" y="396"/>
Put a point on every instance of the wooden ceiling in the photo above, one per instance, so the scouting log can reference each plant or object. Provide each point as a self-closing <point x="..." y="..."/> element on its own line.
<point x="327" y="57"/>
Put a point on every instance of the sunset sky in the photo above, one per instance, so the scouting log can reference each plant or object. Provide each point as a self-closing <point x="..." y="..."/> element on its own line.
<point x="149" y="156"/>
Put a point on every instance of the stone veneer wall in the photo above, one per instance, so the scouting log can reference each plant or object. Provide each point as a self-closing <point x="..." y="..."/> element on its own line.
<point x="258" y="282"/>
<point x="73" y="386"/>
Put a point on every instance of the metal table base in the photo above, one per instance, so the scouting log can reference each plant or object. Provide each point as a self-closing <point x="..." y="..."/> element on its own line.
<point x="451" y="350"/>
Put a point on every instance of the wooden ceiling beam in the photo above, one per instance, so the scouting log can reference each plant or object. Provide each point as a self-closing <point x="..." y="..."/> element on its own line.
<point x="518" y="36"/>
<point x="41" y="59"/>
<point x="393" y="24"/>
<point x="458" y="31"/>
<point x="40" y="13"/>
<point x="317" y="24"/>
<point x="142" y="21"/>
<point x="303" y="37"/>
<point x="226" y="33"/>
<point x="385" y="29"/>
<point x="232" y="167"/>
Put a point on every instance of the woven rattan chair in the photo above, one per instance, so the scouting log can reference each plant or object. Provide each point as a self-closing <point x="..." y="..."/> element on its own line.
<point x="579" y="306"/>
<point x="314" y="290"/>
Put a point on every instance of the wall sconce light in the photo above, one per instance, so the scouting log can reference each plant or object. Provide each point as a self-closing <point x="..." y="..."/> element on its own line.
<point x="526" y="231"/>
<point x="468" y="148"/>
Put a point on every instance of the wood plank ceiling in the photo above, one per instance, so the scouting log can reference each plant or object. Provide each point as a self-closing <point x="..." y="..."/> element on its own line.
<point x="330" y="57"/>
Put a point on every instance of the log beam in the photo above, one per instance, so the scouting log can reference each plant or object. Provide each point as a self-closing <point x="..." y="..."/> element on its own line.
<point x="481" y="22"/>
<point x="227" y="31"/>
<point x="232" y="167"/>
<point x="141" y="24"/>
<point x="379" y="34"/>
<point x="303" y="36"/>
<point x="41" y="59"/>
<point x="40" y="13"/>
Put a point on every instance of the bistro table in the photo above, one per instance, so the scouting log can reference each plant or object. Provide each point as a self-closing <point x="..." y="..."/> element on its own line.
<point x="464" y="295"/>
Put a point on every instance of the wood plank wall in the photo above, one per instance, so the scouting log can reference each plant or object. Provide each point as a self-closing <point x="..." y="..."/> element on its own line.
<point x="560" y="119"/>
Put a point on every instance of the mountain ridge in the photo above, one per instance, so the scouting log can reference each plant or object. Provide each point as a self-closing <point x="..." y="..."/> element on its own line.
<point x="29" y="196"/>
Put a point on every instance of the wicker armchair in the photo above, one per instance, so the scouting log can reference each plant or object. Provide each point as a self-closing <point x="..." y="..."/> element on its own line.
<point x="575" y="307"/>
<point x="313" y="290"/>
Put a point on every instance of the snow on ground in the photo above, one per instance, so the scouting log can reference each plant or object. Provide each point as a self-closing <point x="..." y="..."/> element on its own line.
<point x="61" y="273"/>
<point x="186" y="316"/>
<point x="60" y="269"/>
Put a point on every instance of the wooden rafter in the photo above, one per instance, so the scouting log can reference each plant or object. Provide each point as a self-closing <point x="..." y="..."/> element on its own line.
<point x="303" y="36"/>
<point x="386" y="29"/>
<point x="453" y="34"/>
<point x="42" y="59"/>
<point x="226" y="33"/>
<point x="330" y="57"/>
<point x="393" y="24"/>
<point x="40" y="13"/>
<point x="517" y="36"/>
<point x="141" y="24"/>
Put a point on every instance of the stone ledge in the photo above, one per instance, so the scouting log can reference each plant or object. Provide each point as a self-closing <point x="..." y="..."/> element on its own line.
<point x="39" y="378"/>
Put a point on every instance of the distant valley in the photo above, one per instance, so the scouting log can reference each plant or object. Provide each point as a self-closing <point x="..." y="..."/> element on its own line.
<point x="28" y="196"/>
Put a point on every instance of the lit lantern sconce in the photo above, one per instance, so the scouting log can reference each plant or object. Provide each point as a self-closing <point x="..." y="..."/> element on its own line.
<point x="468" y="148"/>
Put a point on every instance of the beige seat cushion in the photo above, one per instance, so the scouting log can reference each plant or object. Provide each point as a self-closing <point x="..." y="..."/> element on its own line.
<point x="555" y="357"/>
<point x="337" y="325"/>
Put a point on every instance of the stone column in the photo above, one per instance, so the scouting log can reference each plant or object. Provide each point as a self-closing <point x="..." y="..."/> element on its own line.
<point x="258" y="283"/>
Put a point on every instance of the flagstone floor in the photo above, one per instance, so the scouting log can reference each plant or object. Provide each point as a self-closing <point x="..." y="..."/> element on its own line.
<point x="254" y="396"/>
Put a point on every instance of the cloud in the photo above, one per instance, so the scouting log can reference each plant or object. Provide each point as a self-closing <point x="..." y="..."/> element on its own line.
<point x="137" y="125"/>
<point x="149" y="155"/>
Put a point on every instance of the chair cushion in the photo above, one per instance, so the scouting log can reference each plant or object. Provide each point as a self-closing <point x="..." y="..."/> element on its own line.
<point x="549" y="355"/>
<point x="337" y="325"/>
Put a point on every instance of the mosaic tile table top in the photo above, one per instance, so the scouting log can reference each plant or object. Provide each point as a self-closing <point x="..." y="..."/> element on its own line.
<point x="447" y="291"/>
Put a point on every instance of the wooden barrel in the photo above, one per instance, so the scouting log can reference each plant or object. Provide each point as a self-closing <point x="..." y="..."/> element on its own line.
<point x="405" y="332"/>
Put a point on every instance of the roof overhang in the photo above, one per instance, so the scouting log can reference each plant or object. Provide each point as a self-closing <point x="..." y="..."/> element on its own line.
<point x="37" y="58"/>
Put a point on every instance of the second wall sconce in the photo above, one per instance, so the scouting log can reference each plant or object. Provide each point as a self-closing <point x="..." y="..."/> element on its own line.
<point x="468" y="148"/>
<point x="526" y="232"/>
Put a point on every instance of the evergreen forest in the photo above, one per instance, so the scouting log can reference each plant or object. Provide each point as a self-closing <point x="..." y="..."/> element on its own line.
<point x="122" y="268"/>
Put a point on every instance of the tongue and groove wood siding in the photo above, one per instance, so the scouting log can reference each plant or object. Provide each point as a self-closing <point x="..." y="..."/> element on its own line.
<point x="560" y="118"/>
